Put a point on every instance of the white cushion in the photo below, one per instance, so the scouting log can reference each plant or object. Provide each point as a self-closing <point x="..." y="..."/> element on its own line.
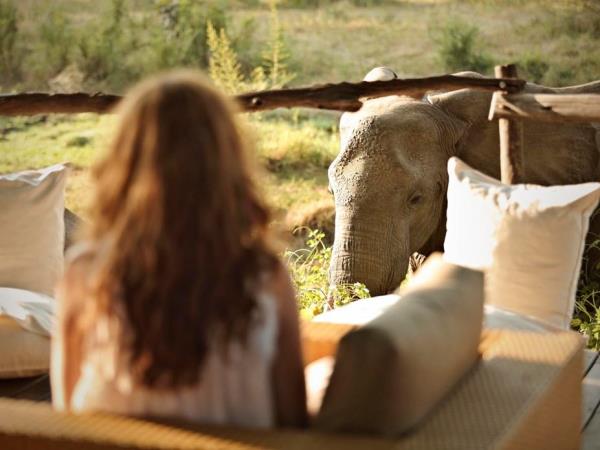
<point x="528" y="239"/>
<point x="359" y="312"/>
<point x="32" y="228"/>
<point x="33" y="311"/>
<point x="25" y="324"/>
<point x="500" y="319"/>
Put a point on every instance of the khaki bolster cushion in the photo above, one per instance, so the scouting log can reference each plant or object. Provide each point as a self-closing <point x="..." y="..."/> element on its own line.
<point x="22" y="352"/>
<point x="391" y="372"/>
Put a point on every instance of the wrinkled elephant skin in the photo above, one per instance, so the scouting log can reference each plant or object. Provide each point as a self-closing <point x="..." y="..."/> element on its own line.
<point x="389" y="180"/>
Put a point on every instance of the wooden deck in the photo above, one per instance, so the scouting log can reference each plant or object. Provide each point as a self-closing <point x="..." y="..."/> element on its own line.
<point x="38" y="389"/>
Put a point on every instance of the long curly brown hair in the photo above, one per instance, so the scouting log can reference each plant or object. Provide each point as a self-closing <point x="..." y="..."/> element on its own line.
<point x="184" y="232"/>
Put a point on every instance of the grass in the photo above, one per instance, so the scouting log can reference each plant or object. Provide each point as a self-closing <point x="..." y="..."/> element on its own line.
<point x="293" y="149"/>
<point x="337" y="40"/>
<point x="294" y="152"/>
<point x="308" y="270"/>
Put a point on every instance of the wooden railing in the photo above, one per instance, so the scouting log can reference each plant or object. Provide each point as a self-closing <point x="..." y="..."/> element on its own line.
<point x="509" y="106"/>
<point x="510" y="109"/>
<point x="340" y="97"/>
<point x="556" y="108"/>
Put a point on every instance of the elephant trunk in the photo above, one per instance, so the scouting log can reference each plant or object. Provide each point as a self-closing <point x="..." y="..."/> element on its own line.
<point x="370" y="250"/>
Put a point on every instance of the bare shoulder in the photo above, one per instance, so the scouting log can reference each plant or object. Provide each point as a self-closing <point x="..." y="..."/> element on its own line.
<point x="80" y="258"/>
<point x="79" y="261"/>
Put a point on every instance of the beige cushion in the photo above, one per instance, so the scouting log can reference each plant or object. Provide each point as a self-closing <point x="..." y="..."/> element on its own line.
<point x="529" y="240"/>
<point x="317" y="375"/>
<point x="25" y="324"/>
<point x="393" y="371"/>
<point x="32" y="229"/>
<point x="22" y="353"/>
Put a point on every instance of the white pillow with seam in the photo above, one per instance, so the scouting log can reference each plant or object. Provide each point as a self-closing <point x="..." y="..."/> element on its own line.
<point x="32" y="229"/>
<point x="33" y="311"/>
<point x="528" y="239"/>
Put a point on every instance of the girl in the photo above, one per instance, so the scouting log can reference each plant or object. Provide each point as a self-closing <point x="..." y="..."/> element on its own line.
<point x="177" y="306"/>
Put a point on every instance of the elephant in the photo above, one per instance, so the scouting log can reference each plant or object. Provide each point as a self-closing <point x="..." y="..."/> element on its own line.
<point x="389" y="179"/>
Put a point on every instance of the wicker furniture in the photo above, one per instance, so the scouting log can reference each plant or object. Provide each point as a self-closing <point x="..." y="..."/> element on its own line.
<point x="525" y="393"/>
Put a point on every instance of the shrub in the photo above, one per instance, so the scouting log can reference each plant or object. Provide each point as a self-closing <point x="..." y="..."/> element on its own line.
<point x="578" y="18"/>
<point x="457" y="48"/>
<point x="309" y="270"/>
<point x="559" y="76"/>
<point x="11" y="55"/>
<point x="587" y="315"/>
<point x="103" y="45"/>
<point x="223" y="65"/>
<point x="586" y="318"/>
<point x="55" y="43"/>
<point x="276" y="55"/>
<point x="323" y="3"/>
<point x="533" y="68"/>
<point x="182" y="40"/>
<point x="226" y="70"/>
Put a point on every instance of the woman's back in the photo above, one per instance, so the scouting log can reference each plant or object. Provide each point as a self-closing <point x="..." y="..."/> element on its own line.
<point x="179" y="307"/>
<point x="234" y="387"/>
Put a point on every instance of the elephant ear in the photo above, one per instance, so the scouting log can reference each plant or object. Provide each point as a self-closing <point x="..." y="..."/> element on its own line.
<point x="466" y="109"/>
<point x="465" y="104"/>
<point x="450" y="110"/>
<point x="468" y="105"/>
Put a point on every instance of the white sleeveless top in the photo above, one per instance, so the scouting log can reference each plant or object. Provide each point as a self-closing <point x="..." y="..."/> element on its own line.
<point x="237" y="390"/>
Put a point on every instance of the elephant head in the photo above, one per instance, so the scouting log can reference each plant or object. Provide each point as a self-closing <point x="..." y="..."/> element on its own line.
<point x="389" y="180"/>
<point x="389" y="184"/>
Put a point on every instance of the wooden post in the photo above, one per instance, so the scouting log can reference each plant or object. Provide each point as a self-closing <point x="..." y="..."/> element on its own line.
<point x="511" y="138"/>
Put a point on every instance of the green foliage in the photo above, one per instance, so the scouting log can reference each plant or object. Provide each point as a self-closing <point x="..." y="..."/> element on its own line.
<point x="55" y="42"/>
<point x="226" y="70"/>
<point x="458" y="50"/>
<point x="223" y="65"/>
<point x="276" y="54"/>
<point x="309" y="270"/>
<point x="533" y="68"/>
<point x="587" y="314"/>
<point x="586" y="318"/>
<point x="325" y="3"/>
<point x="161" y="34"/>
<point x="182" y="39"/>
<point x="104" y="45"/>
<point x="582" y="18"/>
<point x="11" y="55"/>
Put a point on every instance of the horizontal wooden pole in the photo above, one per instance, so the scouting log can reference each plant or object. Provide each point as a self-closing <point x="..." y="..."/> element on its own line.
<point x="31" y="104"/>
<point x="342" y="96"/>
<point x="546" y="107"/>
<point x="347" y="96"/>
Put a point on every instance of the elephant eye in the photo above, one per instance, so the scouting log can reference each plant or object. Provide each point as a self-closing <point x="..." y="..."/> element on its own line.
<point x="415" y="199"/>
